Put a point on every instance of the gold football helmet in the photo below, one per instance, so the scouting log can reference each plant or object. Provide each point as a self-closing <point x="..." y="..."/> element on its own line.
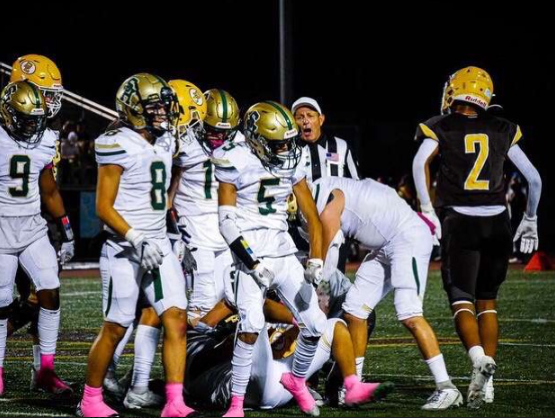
<point x="43" y="73"/>
<point x="273" y="135"/>
<point x="192" y="105"/>
<point x="23" y="112"/>
<point x="222" y="118"/>
<point x="471" y="85"/>
<point x="145" y="101"/>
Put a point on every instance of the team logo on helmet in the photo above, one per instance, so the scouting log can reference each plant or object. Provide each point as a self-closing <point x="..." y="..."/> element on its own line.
<point x="28" y="67"/>
<point x="196" y="96"/>
<point x="251" y="121"/>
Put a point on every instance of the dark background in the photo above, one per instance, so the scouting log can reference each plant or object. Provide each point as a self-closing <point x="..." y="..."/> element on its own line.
<point x="376" y="72"/>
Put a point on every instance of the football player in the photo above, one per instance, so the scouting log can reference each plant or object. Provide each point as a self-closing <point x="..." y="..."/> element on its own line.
<point x="44" y="74"/>
<point x="134" y="176"/>
<point x="26" y="179"/>
<point x="401" y="244"/>
<point x="475" y="231"/>
<point x="255" y="178"/>
<point x="215" y="119"/>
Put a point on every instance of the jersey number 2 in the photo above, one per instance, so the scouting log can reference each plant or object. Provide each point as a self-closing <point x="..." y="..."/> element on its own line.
<point x="20" y="168"/>
<point x="470" y="144"/>
<point x="158" y="192"/>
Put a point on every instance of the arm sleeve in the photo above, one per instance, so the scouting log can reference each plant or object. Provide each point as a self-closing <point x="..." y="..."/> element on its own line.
<point x="332" y="256"/>
<point x="521" y="161"/>
<point x="427" y="148"/>
<point x="232" y="235"/>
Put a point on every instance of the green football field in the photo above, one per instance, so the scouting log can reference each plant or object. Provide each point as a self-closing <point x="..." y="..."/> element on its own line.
<point x="524" y="382"/>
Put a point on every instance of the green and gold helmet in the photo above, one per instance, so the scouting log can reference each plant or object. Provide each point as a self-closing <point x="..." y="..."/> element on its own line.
<point x="145" y="101"/>
<point x="222" y="118"/>
<point x="273" y="135"/>
<point x="23" y="112"/>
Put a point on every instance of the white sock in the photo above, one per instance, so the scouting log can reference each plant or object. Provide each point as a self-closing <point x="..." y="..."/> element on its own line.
<point x="119" y="350"/>
<point x="3" y="338"/>
<point x="476" y="353"/>
<point x="242" y="365"/>
<point x="146" y="343"/>
<point x="36" y="357"/>
<point x="359" y="363"/>
<point x="304" y="354"/>
<point x="49" y="324"/>
<point x="438" y="369"/>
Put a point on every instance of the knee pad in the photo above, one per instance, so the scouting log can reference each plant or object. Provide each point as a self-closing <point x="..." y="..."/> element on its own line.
<point x="252" y="321"/>
<point x="407" y="304"/>
<point x="316" y="326"/>
<point x="6" y="296"/>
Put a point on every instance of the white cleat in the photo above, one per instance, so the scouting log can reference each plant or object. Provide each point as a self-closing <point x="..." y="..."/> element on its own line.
<point x="443" y="399"/>
<point x="489" y="391"/>
<point x="483" y="370"/>
<point x="113" y="387"/>
<point x="145" y="400"/>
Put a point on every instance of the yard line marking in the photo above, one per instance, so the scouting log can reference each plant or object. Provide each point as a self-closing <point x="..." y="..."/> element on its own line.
<point x="92" y="292"/>
<point x="530" y="345"/>
<point x="430" y="378"/>
<point x="524" y="320"/>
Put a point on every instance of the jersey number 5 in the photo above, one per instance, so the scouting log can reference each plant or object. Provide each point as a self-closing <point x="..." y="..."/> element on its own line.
<point x="268" y="200"/>
<point x="158" y="192"/>
<point x="20" y="168"/>
<point x="470" y="144"/>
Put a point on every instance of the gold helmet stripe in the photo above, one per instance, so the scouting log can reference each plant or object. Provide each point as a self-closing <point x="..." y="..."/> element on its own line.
<point x="224" y="104"/>
<point x="428" y="132"/>
<point x="289" y="123"/>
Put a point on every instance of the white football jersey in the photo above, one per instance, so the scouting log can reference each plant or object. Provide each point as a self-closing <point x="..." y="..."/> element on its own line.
<point x="197" y="196"/>
<point x="261" y="198"/>
<point x="143" y="189"/>
<point x="374" y="213"/>
<point x="20" y="171"/>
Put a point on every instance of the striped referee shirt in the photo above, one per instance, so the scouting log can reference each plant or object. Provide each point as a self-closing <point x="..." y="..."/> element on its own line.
<point x="329" y="156"/>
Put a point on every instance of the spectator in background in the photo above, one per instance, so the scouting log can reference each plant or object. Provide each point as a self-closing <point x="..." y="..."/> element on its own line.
<point x="517" y="196"/>
<point x="70" y="152"/>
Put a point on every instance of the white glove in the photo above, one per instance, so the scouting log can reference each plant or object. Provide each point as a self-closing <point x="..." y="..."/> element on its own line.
<point x="179" y="248"/>
<point x="314" y="272"/>
<point x="150" y="255"/>
<point x="67" y="252"/>
<point x="430" y="214"/>
<point x="263" y="275"/>
<point x="527" y="232"/>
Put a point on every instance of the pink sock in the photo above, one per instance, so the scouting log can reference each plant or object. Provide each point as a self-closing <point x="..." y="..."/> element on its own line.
<point x="91" y="394"/>
<point x="47" y="361"/>
<point x="174" y="392"/>
<point x="350" y="381"/>
<point x="237" y="401"/>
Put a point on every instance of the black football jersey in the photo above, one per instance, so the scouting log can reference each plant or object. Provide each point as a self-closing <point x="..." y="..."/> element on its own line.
<point x="472" y="150"/>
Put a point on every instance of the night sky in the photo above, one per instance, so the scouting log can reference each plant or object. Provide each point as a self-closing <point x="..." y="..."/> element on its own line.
<point x="376" y="72"/>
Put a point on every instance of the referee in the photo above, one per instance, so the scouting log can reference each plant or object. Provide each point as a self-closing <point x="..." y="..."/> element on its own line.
<point x="326" y="155"/>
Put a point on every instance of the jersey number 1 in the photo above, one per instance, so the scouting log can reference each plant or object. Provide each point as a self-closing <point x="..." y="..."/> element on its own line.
<point x="470" y="143"/>
<point x="20" y="168"/>
<point x="158" y="192"/>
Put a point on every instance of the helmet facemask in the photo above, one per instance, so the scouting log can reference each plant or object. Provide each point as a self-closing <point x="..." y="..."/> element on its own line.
<point x="27" y="130"/>
<point x="161" y="115"/>
<point x="279" y="157"/>
<point x="53" y="100"/>
<point x="212" y="138"/>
